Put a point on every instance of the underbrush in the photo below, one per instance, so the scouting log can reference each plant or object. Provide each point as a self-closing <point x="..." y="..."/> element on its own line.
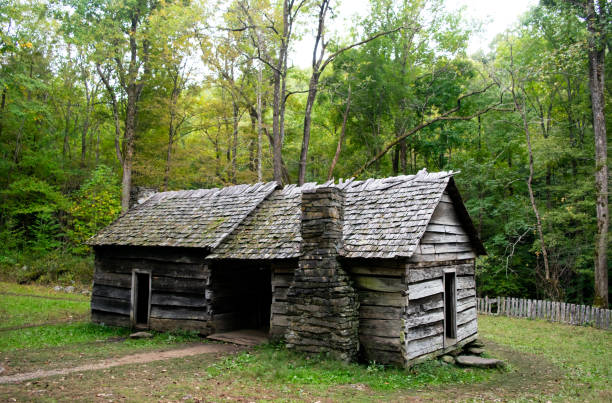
<point x="273" y="364"/>
<point x="53" y="267"/>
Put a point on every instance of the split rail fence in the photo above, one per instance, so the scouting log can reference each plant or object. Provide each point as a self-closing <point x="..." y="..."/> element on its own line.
<point x="578" y="315"/>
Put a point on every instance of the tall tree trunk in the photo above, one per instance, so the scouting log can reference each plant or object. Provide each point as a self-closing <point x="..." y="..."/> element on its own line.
<point x="597" y="41"/>
<point x="128" y="146"/>
<point x="235" y="117"/>
<point x="2" y="105"/>
<point x="259" y="124"/>
<point x="342" y="134"/>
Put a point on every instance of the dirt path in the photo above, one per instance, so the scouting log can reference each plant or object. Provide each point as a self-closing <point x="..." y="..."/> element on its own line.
<point x="529" y="376"/>
<point x="128" y="359"/>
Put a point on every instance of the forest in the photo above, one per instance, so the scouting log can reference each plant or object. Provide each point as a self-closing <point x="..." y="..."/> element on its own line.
<point x="99" y="97"/>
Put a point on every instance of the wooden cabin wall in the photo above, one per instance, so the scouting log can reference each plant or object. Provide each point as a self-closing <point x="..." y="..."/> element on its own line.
<point x="282" y="276"/>
<point x="179" y="280"/>
<point x="381" y="288"/>
<point x="424" y="331"/>
<point x="445" y="239"/>
<point x="445" y="246"/>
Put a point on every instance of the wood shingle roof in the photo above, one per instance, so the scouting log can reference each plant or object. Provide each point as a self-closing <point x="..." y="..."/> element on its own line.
<point x="383" y="218"/>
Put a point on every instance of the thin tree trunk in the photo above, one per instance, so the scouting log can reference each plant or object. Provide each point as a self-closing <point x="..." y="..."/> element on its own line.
<point x="2" y="105"/>
<point x="520" y="107"/>
<point x="342" y="134"/>
<point x="235" y="118"/>
<point x="259" y="124"/>
<point x="595" y="22"/>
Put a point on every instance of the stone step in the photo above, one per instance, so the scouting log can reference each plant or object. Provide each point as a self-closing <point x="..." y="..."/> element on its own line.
<point x="479" y="362"/>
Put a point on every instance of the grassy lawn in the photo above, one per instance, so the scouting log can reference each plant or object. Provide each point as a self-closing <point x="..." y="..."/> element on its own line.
<point x="39" y="290"/>
<point x="26" y="305"/>
<point x="546" y="362"/>
<point x="584" y="354"/>
<point x="21" y="311"/>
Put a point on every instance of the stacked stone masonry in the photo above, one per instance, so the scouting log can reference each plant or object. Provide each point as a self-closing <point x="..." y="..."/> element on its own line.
<point x="323" y="305"/>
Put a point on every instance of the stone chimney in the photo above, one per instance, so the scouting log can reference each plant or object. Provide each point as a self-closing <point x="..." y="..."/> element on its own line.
<point x="322" y="302"/>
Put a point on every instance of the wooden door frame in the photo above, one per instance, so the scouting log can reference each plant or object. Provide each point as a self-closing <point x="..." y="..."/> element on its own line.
<point x="134" y="297"/>
<point x="454" y="292"/>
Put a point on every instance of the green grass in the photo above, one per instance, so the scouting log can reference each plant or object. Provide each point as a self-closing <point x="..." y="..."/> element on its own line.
<point x="584" y="354"/>
<point x="20" y="311"/>
<point x="77" y="333"/>
<point x="39" y="290"/>
<point x="274" y="364"/>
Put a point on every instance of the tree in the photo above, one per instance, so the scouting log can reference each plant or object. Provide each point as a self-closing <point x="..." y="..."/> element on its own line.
<point x="121" y="55"/>
<point x="597" y="15"/>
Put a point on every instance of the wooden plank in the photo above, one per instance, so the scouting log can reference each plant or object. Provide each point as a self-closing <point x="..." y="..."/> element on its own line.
<point x="112" y="305"/>
<point x="420" y="332"/>
<point x="162" y="254"/>
<point x="383" y="357"/>
<point x="468" y="292"/>
<point x="380" y="312"/>
<point x="110" y="319"/>
<point x="173" y="284"/>
<point x="112" y="292"/>
<point x="426" y="318"/>
<point x="377" y="271"/>
<point x="425" y="289"/>
<point x="383" y="284"/>
<point x="419" y="347"/>
<point x="442" y="248"/>
<point x="466" y="330"/>
<point x="466" y="316"/>
<point x="382" y="298"/>
<point x="465" y="282"/>
<point x="279" y="307"/>
<point x="184" y="300"/>
<point x="466" y="303"/>
<point x="377" y="327"/>
<point x="280" y="293"/>
<point x="429" y="273"/>
<point x="164" y="312"/>
<point x="280" y="320"/>
<point x="113" y="279"/>
<point x="440" y="257"/>
<point x="381" y="343"/>
<point x="425" y="304"/>
<point x="445" y="214"/>
<point x="161" y="324"/>
<point x="438" y="237"/>
<point x="445" y="229"/>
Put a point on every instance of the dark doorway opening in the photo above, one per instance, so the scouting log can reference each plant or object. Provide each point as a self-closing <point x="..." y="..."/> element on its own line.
<point x="142" y="289"/>
<point x="450" y="308"/>
<point x="241" y="297"/>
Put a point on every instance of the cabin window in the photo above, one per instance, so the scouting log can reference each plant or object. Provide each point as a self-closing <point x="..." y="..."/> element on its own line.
<point x="450" y="309"/>
<point x="141" y="298"/>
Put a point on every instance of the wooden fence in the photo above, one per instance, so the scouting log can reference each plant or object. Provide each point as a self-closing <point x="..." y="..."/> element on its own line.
<point x="579" y="315"/>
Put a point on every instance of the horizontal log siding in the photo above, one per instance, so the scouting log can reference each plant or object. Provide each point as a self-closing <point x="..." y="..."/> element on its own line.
<point x="445" y="239"/>
<point x="282" y="276"/>
<point x="381" y="287"/>
<point x="424" y="325"/>
<point x="178" y="291"/>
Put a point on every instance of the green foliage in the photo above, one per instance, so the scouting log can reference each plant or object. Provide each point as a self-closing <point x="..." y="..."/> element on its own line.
<point x="95" y="205"/>
<point x="59" y="170"/>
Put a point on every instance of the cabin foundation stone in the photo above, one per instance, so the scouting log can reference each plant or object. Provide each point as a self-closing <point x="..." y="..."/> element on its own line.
<point x="323" y="304"/>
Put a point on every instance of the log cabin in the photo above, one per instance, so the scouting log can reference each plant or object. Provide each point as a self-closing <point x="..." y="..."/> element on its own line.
<point x="380" y="270"/>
